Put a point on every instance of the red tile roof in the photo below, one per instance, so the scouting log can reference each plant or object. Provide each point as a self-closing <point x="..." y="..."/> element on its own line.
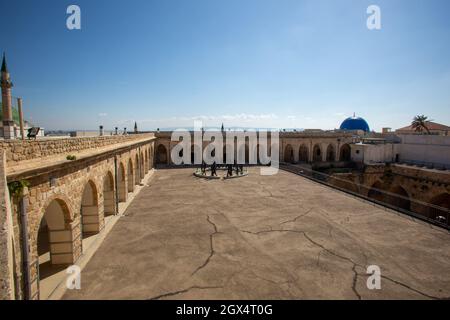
<point x="431" y="126"/>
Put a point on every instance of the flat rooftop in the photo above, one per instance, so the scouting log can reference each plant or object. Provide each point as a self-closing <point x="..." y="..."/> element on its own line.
<point x="262" y="237"/>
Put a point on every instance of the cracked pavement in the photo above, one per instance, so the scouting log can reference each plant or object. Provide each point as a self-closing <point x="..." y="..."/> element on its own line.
<point x="262" y="237"/>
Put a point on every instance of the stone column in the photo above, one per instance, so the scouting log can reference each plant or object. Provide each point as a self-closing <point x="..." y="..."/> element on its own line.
<point x="324" y="150"/>
<point x="296" y="150"/>
<point x="19" y="105"/>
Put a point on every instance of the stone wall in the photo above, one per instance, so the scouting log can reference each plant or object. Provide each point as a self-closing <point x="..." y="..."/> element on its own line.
<point x="20" y="150"/>
<point x="421" y="185"/>
<point x="6" y="280"/>
<point x="58" y="195"/>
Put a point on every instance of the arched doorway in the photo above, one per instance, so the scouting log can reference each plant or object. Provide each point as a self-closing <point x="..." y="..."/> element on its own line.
<point x="303" y="155"/>
<point x="317" y="153"/>
<point x="161" y="155"/>
<point x="121" y="186"/>
<point x="137" y="170"/>
<point x="440" y="209"/>
<point x="331" y="153"/>
<point x="130" y="176"/>
<point x="54" y="240"/>
<point x="109" y="199"/>
<point x="90" y="216"/>
<point x="288" y="154"/>
<point x="345" y="153"/>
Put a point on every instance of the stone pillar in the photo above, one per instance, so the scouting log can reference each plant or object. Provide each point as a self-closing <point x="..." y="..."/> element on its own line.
<point x="102" y="132"/>
<point x="6" y="85"/>
<point x="324" y="150"/>
<point x="19" y="105"/>
<point x="296" y="150"/>
<point x="6" y="237"/>
<point x="116" y="131"/>
<point x="311" y="152"/>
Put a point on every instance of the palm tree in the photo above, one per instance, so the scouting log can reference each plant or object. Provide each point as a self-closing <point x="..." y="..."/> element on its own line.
<point x="419" y="123"/>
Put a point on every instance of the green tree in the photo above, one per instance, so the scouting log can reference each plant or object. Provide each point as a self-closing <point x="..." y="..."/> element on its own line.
<point x="15" y="114"/>
<point x="420" y="123"/>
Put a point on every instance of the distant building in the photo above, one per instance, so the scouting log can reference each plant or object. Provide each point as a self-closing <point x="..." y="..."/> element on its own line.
<point x="435" y="129"/>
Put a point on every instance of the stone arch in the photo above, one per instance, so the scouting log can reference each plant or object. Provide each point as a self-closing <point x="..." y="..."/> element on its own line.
<point x="137" y="170"/>
<point x="90" y="213"/>
<point x="288" y="154"/>
<point x="376" y="192"/>
<point x="440" y="209"/>
<point x="317" y="153"/>
<point x="398" y="197"/>
<point x="303" y="153"/>
<point x="395" y="196"/>
<point x="331" y="153"/>
<point x="121" y="183"/>
<point x="54" y="245"/>
<point x="345" y="153"/>
<point x="130" y="176"/>
<point x="161" y="155"/>
<point x="109" y="199"/>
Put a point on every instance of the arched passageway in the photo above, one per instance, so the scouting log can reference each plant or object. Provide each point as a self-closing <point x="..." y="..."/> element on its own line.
<point x="288" y="154"/>
<point x="121" y="185"/>
<point x="303" y="154"/>
<point x="109" y="199"/>
<point x="395" y="196"/>
<point x="130" y="176"/>
<point x="54" y="240"/>
<point x="345" y="153"/>
<point x="161" y="155"/>
<point x="90" y="215"/>
<point x="398" y="197"/>
<point x="317" y="153"/>
<point x="331" y="153"/>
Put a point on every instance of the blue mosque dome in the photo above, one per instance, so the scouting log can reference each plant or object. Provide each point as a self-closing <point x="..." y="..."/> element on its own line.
<point x="355" y="123"/>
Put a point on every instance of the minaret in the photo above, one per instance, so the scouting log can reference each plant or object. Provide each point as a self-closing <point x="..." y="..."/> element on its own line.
<point x="135" y="127"/>
<point x="6" y="85"/>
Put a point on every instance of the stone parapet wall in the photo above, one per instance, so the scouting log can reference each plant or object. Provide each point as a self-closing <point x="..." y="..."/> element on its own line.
<point x="6" y="281"/>
<point x="18" y="150"/>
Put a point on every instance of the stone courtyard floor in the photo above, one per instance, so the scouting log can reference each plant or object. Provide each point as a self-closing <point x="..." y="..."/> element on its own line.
<point x="262" y="237"/>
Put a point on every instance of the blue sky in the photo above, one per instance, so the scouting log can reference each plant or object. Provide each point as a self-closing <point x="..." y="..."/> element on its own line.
<point x="255" y="63"/>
